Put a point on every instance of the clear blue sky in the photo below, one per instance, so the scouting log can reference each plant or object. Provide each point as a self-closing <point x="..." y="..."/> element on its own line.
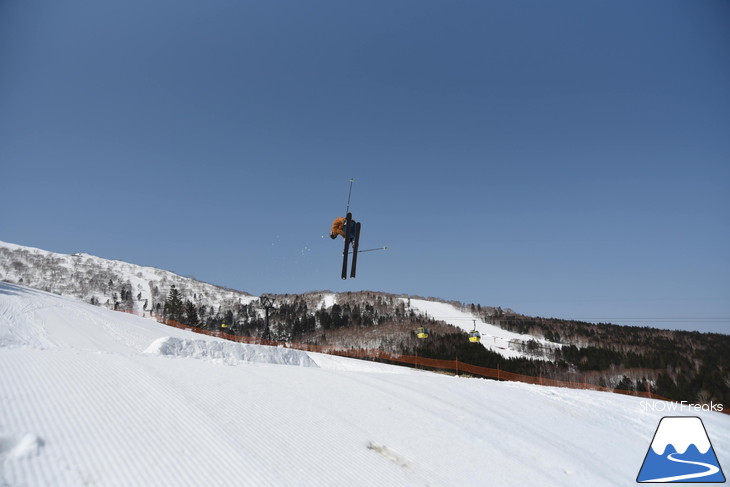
<point x="567" y="158"/>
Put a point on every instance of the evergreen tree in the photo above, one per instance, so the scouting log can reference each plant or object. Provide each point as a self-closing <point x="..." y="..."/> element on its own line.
<point x="191" y="314"/>
<point x="174" y="308"/>
<point x="626" y="384"/>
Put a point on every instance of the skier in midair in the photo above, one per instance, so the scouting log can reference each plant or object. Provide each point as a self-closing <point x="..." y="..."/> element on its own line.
<point x="349" y="230"/>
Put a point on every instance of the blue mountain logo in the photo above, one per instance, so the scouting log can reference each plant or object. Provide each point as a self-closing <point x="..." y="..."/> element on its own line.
<point x="681" y="452"/>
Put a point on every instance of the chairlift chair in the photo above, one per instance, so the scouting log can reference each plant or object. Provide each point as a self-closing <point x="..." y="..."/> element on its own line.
<point x="474" y="335"/>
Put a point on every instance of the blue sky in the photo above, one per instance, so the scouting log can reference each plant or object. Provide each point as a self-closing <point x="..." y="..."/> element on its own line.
<point x="566" y="159"/>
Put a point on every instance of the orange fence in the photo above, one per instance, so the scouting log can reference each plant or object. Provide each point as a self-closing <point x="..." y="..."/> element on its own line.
<point x="454" y="366"/>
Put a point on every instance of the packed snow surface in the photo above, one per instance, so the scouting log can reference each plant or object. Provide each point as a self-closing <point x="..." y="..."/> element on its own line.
<point x="95" y="397"/>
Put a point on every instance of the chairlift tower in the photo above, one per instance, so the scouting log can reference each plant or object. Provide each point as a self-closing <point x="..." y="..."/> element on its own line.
<point x="267" y="303"/>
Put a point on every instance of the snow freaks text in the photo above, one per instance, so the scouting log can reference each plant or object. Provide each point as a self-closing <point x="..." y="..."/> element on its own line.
<point x="679" y="407"/>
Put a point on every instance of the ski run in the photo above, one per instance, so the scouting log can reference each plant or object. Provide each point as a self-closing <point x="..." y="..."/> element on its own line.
<point x="95" y="397"/>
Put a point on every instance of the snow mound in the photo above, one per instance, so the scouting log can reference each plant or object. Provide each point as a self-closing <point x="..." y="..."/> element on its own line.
<point x="228" y="352"/>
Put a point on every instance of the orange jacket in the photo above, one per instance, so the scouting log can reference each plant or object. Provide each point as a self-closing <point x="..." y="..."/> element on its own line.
<point x="337" y="227"/>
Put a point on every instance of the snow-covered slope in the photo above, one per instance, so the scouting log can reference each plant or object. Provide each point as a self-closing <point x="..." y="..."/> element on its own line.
<point x="89" y="396"/>
<point x="494" y="338"/>
<point x="103" y="281"/>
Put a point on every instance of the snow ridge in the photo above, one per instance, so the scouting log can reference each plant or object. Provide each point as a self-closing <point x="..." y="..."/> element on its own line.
<point x="229" y="353"/>
<point x="109" y="283"/>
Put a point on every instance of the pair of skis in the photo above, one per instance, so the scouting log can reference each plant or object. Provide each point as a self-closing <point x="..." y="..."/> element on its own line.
<point x="352" y="236"/>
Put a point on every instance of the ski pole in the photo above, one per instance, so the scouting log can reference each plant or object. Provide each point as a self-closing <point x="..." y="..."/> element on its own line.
<point x="370" y="250"/>
<point x="352" y="180"/>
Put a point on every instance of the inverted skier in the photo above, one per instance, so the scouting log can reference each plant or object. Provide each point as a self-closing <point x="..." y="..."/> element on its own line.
<point x="349" y="230"/>
<point x="338" y="228"/>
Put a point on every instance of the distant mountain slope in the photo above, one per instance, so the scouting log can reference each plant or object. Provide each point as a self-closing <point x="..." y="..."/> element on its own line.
<point x="110" y="283"/>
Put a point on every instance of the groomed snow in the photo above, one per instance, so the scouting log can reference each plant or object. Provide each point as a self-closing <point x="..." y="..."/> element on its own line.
<point x="94" y="397"/>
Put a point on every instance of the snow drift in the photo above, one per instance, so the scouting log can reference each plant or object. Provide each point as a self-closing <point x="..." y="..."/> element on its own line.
<point x="228" y="352"/>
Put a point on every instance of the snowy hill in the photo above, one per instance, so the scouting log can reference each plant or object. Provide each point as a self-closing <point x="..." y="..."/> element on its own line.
<point x="109" y="283"/>
<point x="89" y="396"/>
<point x="494" y="338"/>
